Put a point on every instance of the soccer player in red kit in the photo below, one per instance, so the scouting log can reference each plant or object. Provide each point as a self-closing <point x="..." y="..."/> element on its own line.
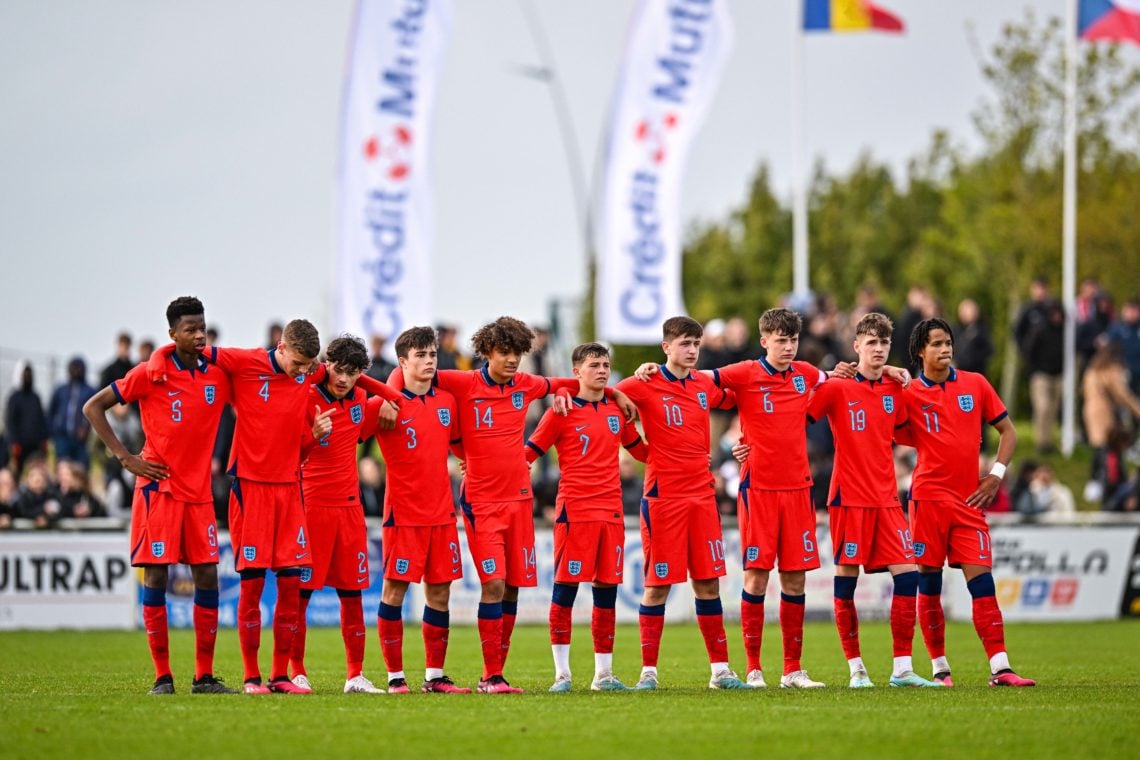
<point x="267" y="518"/>
<point x="421" y="543"/>
<point x="496" y="500"/>
<point x="680" y="526"/>
<point x="868" y="526"/>
<point x="172" y="517"/>
<point x="338" y="536"/>
<point x="589" y="529"/>
<point x="947" y="409"/>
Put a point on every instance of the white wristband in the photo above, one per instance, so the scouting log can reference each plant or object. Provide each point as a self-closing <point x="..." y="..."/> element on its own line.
<point x="998" y="470"/>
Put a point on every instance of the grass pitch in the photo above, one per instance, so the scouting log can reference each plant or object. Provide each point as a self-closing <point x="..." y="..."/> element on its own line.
<point x="84" y="693"/>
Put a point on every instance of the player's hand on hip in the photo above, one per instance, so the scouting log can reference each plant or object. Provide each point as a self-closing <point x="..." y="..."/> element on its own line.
<point x="740" y="451"/>
<point x="987" y="490"/>
<point x="136" y="465"/>
<point x="389" y="411"/>
<point x="646" y="371"/>
<point x="322" y="425"/>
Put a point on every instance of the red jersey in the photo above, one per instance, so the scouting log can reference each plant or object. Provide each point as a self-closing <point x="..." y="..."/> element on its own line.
<point x="863" y="415"/>
<point x="180" y="420"/>
<point x="418" y="490"/>
<point x="946" y="427"/>
<point x="492" y="418"/>
<point x="328" y="471"/>
<point x="773" y="416"/>
<point x="675" y="416"/>
<point x="587" y="439"/>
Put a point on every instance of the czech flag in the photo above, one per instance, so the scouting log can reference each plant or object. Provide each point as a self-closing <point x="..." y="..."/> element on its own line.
<point x="1115" y="20"/>
<point x="848" y="16"/>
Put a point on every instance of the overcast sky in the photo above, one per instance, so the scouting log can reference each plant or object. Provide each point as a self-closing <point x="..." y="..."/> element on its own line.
<point x="154" y="148"/>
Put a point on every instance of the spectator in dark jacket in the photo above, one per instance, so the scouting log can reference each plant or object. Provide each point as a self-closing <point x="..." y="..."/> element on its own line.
<point x="75" y="497"/>
<point x="38" y="500"/>
<point x="1043" y="349"/>
<point x="24" y="420"/>
<point x="120" y="365"/>
<point x="972" y="345"/>
<point x="1126" y="334"/>
<point x="69" y="428"/>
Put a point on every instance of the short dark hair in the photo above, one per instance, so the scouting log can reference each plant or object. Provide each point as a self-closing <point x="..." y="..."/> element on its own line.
<point x="348" y="353"/>
<point x="875" y="324"/>
<point x="506" y="334"/>
<point x="681" y="327"/>
<point x="415" y="338"/>
<point x="302" y="337"/>
<point x="781" y="321"/>
<point x="588" y="351"/>
<point x="920" y="336"/>
<point x="185" y="306"/>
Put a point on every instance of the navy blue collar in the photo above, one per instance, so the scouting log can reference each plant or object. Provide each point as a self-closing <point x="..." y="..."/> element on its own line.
<point x="201" y="366"/>
<point x="410" y="396"/>
<point x="930" y="383"/>
<point x="490" y="381"/>
<point x="860" y="378"/>
<point x="578" y="401"/>
<point x="772" y="370"/>
<point x="673" y="378"/>
<point x="273" y="360"/>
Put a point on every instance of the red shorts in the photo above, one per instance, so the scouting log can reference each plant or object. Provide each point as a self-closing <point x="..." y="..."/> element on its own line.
<point x="870" y="536"/>
<point x="428" y="553"/>
<point x="267" y="525"/>
<point x="777" y="526"/>
<point x="166" y="531"/>
<point x="500" y="537"/>
<point x="589" y="551"/>
<point x="681" y="539"/>
<point x="947" y="530"/>
<point x="339" y="542"/>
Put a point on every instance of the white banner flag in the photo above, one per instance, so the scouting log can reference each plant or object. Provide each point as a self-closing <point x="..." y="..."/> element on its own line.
<point x="385" y="217"/>
<point x="676" y="52"/>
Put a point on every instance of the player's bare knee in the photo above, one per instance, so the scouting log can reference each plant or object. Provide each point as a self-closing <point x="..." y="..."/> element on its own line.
<point x="706" y="589"/>
<point x="393" y="593"/>
<point x="793" y="583"/>
<point x="155" y="576"/>
<point x="205" y="576"/>
<point x="655" y="595"/>
<point x="493" y="591"/>
<point x="510" y="593"/>
<point x="437" y="595"/>
<point x="755" y="581"/>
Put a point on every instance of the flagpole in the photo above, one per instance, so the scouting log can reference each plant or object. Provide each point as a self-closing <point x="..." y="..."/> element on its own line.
<point x="1069" y="233"/>
<point x="800" y="282"/>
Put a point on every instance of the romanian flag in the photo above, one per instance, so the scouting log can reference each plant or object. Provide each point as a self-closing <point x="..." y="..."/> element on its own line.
<point x="848" y="16"/>
<point x="1115" y="20"/>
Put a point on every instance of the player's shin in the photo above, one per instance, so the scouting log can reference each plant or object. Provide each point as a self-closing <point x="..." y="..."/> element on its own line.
<point x="205" y="630"/>
<point x="847" y="618"/>
<point x="491" y="637"/>
<point x="510" y="612"/>
<point x="157" y="635"/>
<point x="602" y="625"/>
<point x="249" y="620"/>
<point x="752" y="627"/>
<point x="435" y="629"/>
<point x="710" y="619"/>
<point x="903" y="613"/>
<point x="792" y="630"/>
<point x="988" y="621"/>
<point x="391" y="626"/>
<point x="651" y="622"/>
<point x="351" y="630"/>
<point x="932" y="620"/>
<point x="285" y="620"/>
<point x="297" y="655"/>
<point x="561" y="609"/>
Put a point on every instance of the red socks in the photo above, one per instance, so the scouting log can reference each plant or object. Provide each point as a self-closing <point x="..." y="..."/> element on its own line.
<point x="559" y="620"/>
<point x="435" y="627"/>
<point x="391" y="626"/>
<point x="792" y="628"/>
<point x="651" y="619"/>
<point x="297" y="655"/>
<point x="285" y="620"/>
<point x="157" y="633"/>
<point x="847" y="622"/>
<point x="752" y="626"/>
<point x="602" y="628"/>
<point x="249" y="621"/>
<point x="205" y="630"/>
<point x="491" y="637"/>
<point x="710" y="619"/>
<point x="351" y="630"/>
<point x="989" y="624"/>
<point x="510" y="611"/>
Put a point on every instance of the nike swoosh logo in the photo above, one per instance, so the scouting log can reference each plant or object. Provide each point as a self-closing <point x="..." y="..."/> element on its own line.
<point x="173" y="393"/>
<point x="580" y="427"/>
<point x="361" y="580"/>
<point x="213" y="553"/>
<point x="265" y="377"/>
<point x="807" y="558"/>
<point x="853" y="403"/>
<point x="926" y="406"/>
<point x="667" y="398"/>
<point x="405" y="422"/>
<point x="302" y="555"/>
<point x="717" y="568"/>
<point x="767" y="387"/>
<point x="983" y="556"/>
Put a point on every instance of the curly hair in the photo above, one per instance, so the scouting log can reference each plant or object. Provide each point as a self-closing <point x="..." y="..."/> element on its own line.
<point x="920" y="336"/>
<point x="507" y="334"/>
<point x="348" y="353"/>
<point x="185" y="306"/>
<point x="302" y="337"/>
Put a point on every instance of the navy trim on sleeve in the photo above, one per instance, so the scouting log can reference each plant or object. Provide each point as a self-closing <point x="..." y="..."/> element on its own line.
<point x="999" y="418"/>
<point x="114" y="386"/>
<point x="541" y="453"/>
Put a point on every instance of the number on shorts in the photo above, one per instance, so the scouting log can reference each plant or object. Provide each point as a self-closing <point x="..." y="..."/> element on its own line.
<point x="176" y="410"/>
<point x="904" y="536"/>
<point x="528" y="557"/>
<point x="620" y="551"/>
<point x="264" y="392"/>
<point x="301" y="541"/>
<point x="809" y="545"/>
<point x="211" y="536"/>
<point x="983" y="542"/>
<point x="454" y="547"/>
<point x="361" y="563"/>
<point x="716" y="549"/>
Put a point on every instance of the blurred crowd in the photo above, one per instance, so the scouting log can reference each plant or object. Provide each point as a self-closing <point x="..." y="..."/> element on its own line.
<point x="52" y="468"/>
